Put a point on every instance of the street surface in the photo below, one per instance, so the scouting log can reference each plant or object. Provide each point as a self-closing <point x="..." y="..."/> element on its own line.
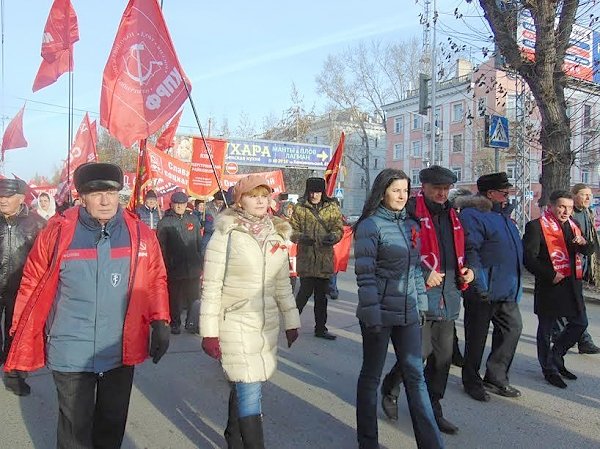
<point x="182" y="402"/>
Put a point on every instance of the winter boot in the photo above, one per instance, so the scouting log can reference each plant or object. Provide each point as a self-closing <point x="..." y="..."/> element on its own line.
<point x="389" y="397"/>
<point x="232" y="432"/>
<point x="444" y="425"/>
<point x="252" y="432"/>
<point x="14" y="381"/>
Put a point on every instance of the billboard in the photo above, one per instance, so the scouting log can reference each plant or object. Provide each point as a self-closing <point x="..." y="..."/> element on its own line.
<point x="269" y="153"/>
<point x="579" y="57"/>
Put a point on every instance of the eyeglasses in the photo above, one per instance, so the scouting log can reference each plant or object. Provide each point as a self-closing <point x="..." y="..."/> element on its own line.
<point x="504" y="193"/>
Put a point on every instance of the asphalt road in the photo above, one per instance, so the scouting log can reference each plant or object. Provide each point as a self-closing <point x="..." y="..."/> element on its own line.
<point x="182" y="402"/>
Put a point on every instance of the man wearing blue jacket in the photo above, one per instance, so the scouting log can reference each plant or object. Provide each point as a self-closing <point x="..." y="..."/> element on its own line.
<point x="495" y="253"/>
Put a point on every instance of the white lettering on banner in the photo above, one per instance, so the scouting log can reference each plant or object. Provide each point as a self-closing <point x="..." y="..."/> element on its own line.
<point x="164" y="89"/>
<point x="180" y="170"/>
<point x="47" y="38"/>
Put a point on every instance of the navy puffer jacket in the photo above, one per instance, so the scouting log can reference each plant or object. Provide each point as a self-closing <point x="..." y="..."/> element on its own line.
<point x="391" y="289"/>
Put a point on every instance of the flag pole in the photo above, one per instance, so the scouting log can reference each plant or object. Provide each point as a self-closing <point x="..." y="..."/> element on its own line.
<point x="210" y="158"/>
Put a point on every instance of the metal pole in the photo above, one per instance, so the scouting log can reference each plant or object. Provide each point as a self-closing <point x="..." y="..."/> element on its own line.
<point x="434" y="156"/>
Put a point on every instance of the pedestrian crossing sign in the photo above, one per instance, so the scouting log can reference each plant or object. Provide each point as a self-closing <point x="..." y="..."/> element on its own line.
<point x="498" y="132"/>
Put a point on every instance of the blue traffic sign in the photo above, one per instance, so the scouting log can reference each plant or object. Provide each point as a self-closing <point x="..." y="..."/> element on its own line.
<point x="498" y="132"/>
<point x="270" y="153"/>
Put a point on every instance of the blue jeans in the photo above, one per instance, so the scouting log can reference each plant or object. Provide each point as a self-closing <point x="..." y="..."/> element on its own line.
<point x="407" y="345"/>
<point x="249" y="397"/>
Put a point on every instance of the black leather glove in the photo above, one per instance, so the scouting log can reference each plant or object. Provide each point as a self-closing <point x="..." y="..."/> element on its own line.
<point x="329" y="240"/>
<point x="159" y="342"/>
<point x="306" y="240"/>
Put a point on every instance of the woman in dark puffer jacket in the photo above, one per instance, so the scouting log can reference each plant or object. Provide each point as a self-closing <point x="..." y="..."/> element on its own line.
<point x="391" y="298"/>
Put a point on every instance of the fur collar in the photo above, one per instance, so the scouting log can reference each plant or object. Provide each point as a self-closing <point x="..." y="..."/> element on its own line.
<point x="225" y="222"/>
<point x="478" y="201"/>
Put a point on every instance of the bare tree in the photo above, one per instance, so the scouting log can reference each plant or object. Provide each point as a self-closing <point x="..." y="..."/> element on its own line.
<point x="110" y="150"/>
<point x="361" y="80"/>
<point x="544" y="75"/>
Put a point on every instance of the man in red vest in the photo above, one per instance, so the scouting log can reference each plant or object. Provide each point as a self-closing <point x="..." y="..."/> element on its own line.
<point x="553" y="245"/>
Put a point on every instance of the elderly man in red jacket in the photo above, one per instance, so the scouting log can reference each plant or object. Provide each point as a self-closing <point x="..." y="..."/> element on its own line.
<point x="93" y="285"/>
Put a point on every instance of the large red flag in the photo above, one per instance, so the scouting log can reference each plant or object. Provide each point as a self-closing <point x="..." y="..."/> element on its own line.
<point x="143" y="82"/>
<point x="331" y="172"/>
<point x="142" y="178"/>
<point x="60" y="33"/>
<point x="165" y="140"/>
<point x="84" y="147"/>
<point x="94" y="129"/>
<point x="13" y="135"/>
<point x="49" y="72"/>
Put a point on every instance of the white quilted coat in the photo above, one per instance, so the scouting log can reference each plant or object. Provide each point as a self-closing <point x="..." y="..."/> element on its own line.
<point x="245" y="289"/>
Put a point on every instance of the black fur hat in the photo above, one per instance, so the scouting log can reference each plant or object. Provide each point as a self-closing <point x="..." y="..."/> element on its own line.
<point x="315" y="185"/>
<point x="96" y="176"/>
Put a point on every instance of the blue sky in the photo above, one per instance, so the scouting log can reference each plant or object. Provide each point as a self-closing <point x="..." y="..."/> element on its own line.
<point x="241" y="57"/>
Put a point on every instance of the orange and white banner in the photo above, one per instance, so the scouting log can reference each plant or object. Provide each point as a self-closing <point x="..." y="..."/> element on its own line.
<point x="202" y="180"/>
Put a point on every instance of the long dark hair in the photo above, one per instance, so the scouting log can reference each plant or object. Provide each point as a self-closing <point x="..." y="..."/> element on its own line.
<point x="381" y="183"/>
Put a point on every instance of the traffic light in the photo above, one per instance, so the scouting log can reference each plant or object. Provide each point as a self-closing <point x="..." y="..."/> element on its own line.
<point x="423" y="93"/>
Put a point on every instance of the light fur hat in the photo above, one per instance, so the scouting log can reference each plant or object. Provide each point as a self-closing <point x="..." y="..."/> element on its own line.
<point x="248" y="183"/>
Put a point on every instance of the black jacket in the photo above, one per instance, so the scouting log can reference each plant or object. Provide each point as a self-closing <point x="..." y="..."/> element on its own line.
<point x="181" y="243"/>
<point x="555" y="300"/>
<point x="17" y="234"/>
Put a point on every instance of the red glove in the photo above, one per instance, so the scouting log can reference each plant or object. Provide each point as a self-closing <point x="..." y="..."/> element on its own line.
<point x="292" y="336"/>
<point x="211" y="346"/>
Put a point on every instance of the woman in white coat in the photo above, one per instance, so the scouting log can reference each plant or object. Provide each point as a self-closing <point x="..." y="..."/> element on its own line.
<point x="246" y="287"/>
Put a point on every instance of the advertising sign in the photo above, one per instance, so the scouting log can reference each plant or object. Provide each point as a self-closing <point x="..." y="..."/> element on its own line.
<point x="270" y="153"/>
<point x="579" y="58"/>
<point x="202" y="180"/>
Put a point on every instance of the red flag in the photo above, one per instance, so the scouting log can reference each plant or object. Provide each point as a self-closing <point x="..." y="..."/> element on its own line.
<point x="94" y="129"/>
<point x="142" y="178"/>
<point x="143" y="82"/>
<point x="165" y="140"/>
<point x="331" y="172"/>
<point x="60" y="33"/>
<point x="13" y="135"/>
<point x="29" y="192"/>
<point x="49" y="72"/>
<point x="84" y="148"/>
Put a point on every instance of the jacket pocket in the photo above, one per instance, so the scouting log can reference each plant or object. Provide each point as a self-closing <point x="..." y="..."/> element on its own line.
<point x="235" y="306"/>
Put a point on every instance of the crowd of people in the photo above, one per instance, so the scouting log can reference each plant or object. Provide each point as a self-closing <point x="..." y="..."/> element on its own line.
<point x="91" y="291"/>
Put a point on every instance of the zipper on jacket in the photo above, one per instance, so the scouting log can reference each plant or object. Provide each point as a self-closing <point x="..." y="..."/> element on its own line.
<point x="407" y="273"/>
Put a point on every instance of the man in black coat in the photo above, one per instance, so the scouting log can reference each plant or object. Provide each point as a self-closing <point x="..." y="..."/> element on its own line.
<point x="18" y="230"/>
<point x="553" y="245"/>
<point x="180" y="237"/>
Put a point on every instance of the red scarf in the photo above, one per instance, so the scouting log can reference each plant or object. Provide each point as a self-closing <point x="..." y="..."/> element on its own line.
<point x="430" y="249"/>
<point x="557" y="248"/>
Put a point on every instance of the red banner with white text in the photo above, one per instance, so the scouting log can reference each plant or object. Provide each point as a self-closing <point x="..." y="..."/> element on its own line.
<point x="202" y="178"/>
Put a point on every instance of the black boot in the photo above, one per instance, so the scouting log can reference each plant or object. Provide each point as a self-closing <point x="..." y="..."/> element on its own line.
<point x="252" y="432"/>
<point x="233" y="435"/>
<point x="444" y="425"/>
<point x="389" y="396"/>
<point x="15" y="381"/>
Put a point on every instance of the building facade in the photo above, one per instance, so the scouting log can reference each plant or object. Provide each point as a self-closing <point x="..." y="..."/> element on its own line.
<point x="456" y="137"/>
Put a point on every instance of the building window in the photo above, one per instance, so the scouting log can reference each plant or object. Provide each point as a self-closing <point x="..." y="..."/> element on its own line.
<point x="416" y="148"/>
<point x="417" y="121"/>
<point x="458" y="172"/>
<point x="438" y="117"/>
<point x="457" y="143"/>
<point x="511" y="171"/>
<point x="375" y="164"/>
<point x="587" y="115"/>
<point x="398" y="151"/>
<point x="457" y="112"/>
<point x="414" y="177"/>
<point x="585" y="176"/>
<point x="399" y="124"/>
<point x="316" y="139"/>
<point x="481" y="106"/>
